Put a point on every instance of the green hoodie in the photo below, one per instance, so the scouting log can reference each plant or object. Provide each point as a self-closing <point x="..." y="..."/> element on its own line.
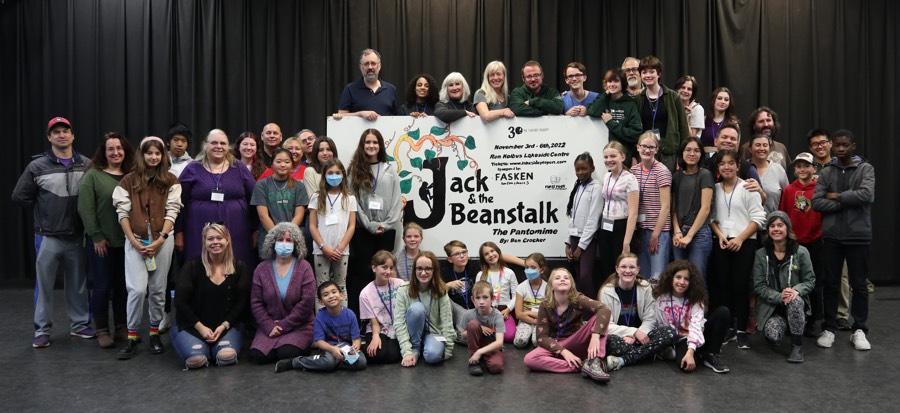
<point x="625" y="125"/>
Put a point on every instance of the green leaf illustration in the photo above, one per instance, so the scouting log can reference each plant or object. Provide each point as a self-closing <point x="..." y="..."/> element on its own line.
<point x="413" y="134"/>
<point x="437" y="130"/>
<point x="417" y="162"/>
<point x="404" y="174"/>
<point x="462" y="164"/>
<point x="429" y="154"/>
<point x="470" y="142"/>
<point x="406" y="186"/>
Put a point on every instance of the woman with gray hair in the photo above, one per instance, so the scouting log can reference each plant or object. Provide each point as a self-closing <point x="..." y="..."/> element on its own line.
<point x="454" y="99"/>
<point x="282" y="297"/>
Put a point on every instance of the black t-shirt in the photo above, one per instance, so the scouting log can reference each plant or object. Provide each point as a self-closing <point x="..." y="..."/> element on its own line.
<point x="629" y="315"/>
<point x="661" y="121"/>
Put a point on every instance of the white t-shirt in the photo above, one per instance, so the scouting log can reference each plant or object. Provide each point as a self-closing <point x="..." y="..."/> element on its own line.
<point x="333" y="224"/>
<point x="504" y="287"/>
<point x="531" y="299"/>
<point x="615" y="194"/>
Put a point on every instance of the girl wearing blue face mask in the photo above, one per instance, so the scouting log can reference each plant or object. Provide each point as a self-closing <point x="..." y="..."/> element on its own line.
<point x="279" y="198"/>
<point x="332" y="226"/>
<point x="529" y="296"/>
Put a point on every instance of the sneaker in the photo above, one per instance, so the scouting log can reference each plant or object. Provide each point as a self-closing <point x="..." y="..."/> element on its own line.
<point x="843" y="324"/>
<point x="284" y="365"/>
<point x="825" y="340"/>
<point x="86" y="332"/>
<point x="156" y="344"/>
<point x="41" y="341"/>
<point x="614" y="363"/>
<point x="127" y="352"/>
<point x="729" y="336"/>
<point x="595" y="369"/>
<point x="796" y="355"/>
<point x="165" y="323"/>
<point x="716" y="362"/>
<point x="743" y="341"/>
<point x="475" y="369"/>
<point x="859" y="341"/>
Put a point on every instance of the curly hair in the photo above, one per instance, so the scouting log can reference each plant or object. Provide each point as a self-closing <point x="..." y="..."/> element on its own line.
<point x="432" y="97"/>
<point x="696" y="292"/>
<point x="268" y="248"/>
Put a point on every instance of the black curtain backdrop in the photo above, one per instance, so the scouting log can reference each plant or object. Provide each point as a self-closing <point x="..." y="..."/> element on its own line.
<point x="138" y="66"/>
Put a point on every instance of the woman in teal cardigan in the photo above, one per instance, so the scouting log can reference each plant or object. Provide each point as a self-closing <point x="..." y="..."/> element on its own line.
<point x="112" y="161"/>
<point x="783" y="277"/>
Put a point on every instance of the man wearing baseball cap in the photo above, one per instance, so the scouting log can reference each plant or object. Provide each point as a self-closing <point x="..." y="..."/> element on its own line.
<point x="50" y="185"/>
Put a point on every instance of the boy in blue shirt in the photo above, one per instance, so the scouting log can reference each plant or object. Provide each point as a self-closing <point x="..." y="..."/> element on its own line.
<point x="335" y="333"/>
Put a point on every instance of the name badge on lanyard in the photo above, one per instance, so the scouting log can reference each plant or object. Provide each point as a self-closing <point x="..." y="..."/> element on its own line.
<point x="331" y="219"/>
<point x="728" y="224"/>
<point x="376" y="202"/>
<point x="642" y="217"/>
<point x="217" y="197"/>
<point x="574" y="232"/>
<point x="607" y="224"/>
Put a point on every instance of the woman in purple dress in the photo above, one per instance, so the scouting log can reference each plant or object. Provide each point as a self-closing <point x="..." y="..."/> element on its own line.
<point x="217" y="189"/>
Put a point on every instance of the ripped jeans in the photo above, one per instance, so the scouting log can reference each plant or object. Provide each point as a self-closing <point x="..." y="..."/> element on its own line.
<point x="187" y="345"/>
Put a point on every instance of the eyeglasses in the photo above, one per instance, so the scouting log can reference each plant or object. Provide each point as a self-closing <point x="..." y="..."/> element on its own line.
<point x="460" y="253"/>
<point x="426" y="270"/>
<point x="647" y="148"/>
<point x="575" y="76"/>
<point x="691" y="150"/>
<point x="534" y="76"/>
<point x="630" y="69"/>
<point x="819" y="144"/>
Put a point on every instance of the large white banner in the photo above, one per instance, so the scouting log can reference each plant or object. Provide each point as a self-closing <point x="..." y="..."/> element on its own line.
<point x="507" y="181"/>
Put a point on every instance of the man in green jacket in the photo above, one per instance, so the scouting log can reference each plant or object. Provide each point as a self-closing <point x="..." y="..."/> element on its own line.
<point x="534" y="98"/>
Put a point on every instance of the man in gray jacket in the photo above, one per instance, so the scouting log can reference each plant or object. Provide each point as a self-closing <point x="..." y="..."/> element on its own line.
<point x="50" y="185"/>
<point x="844" y="195"/>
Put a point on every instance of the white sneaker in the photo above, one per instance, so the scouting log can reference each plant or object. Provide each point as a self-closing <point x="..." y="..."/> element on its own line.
<point x="165" y="323"/>
<point x="826" y="339"/>
<point x="859" y="341"/>
<point x="614" y="363"/>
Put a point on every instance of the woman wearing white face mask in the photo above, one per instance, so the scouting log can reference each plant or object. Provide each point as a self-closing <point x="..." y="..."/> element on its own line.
<point x="282" y="297"/>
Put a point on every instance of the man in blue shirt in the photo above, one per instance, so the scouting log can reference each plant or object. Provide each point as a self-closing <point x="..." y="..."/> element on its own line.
<point x="369" y="96"/>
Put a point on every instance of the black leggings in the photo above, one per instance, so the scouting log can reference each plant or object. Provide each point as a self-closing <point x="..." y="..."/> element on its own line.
<point x="729" y="280"/>
<point x="660" y="338"/>
<point x="286" y="351"/>
<point x="713" y="334"/>
<point x="363" y="246"/>
<point x="389" y="353"/>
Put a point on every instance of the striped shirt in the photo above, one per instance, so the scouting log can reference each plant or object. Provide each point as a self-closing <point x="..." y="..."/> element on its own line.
<point x="649" y="183"/>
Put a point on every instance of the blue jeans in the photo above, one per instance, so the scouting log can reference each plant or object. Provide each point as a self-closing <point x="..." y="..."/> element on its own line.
<point x="652" y="265"/>
<point x="433" y="350"/>
<point x="697" y="252"/>
<point x="187" y="345"/>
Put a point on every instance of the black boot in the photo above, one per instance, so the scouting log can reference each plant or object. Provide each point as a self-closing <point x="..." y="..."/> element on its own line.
<point x="127" y="352"/>
<point x="156" y="345"/>
<point x="796" y="354"/>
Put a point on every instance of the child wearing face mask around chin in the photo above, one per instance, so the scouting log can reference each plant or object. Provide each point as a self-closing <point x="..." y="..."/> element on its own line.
<point x="529" y="296"/>
<point x="331" y="222"/>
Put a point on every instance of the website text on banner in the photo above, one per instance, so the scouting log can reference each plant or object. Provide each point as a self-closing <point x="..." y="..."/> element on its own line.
<point x="507" y="181"/>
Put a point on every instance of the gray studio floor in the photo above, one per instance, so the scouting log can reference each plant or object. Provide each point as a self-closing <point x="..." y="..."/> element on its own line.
<point x="76" y="375"/>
